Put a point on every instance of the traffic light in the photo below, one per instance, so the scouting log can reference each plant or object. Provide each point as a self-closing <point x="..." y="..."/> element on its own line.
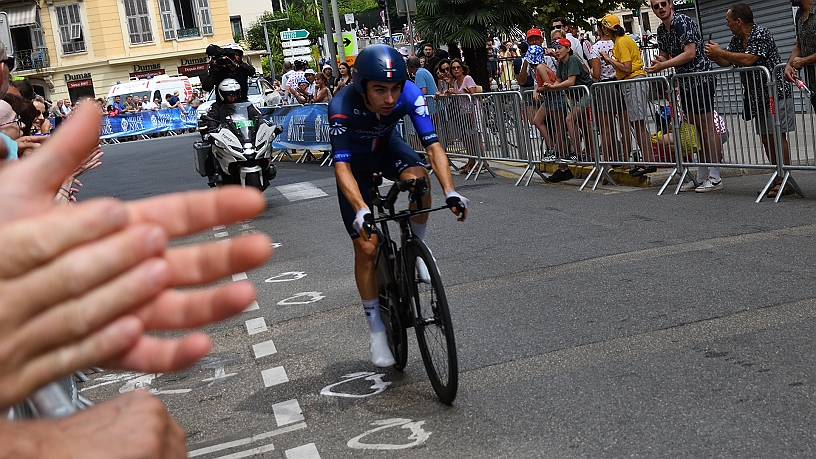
<point x="636" y="13"/>
<point x="382" y="4"/>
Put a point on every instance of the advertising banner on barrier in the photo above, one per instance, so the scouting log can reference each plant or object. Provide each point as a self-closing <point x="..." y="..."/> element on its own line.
<point x="147" y="122"/>
<point x="304" y="126"/>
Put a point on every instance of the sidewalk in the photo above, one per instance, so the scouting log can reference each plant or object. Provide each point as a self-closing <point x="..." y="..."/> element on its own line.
<point x="621" y="177"/>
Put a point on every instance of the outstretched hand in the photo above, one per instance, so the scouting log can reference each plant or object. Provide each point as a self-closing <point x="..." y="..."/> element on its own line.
<point x="80" y="285"/>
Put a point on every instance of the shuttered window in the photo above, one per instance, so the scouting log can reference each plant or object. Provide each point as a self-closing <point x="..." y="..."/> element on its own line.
<point x="70" y="28"/>
<point x="204" y="16"/>
<point x="138" y="21"/>
<point x="168" y="19"/>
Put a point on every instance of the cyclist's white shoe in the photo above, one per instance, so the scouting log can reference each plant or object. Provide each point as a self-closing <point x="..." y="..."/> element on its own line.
<point x="422" y="271"/>
<point x="380" y="352"/>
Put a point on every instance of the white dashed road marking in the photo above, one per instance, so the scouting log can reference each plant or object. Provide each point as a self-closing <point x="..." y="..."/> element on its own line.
<point x="301" y="191"/>
<point x="308" y="451"/>
<point x="239" y="276"/>
<point x="274" y="376"/>
<point x="245" y="441"/>
<point x="256" y="325"/>
<point x="252" y="306"/>
<point x="264" y="349"/>
<point x="287" y="412"/>
<point x="250" y="452"/>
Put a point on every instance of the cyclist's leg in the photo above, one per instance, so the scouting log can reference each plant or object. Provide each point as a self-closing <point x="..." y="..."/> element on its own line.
<point x="365" y="252"/>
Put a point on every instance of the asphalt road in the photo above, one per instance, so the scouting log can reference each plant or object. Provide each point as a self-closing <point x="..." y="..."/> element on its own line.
<point x="608" y="323"/>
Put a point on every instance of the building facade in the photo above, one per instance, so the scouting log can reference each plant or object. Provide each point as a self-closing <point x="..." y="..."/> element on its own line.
<point x="74" y="48"/>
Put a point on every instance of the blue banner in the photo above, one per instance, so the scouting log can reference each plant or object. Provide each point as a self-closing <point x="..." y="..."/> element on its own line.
<point x="147" y="122"/>
<point x="304" y="126"/>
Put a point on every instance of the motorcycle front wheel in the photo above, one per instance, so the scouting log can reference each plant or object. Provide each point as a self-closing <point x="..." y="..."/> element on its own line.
<point x="254" y="180"/>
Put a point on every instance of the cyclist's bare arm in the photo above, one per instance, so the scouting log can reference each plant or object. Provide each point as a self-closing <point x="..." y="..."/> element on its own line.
<point x="441" y="167"/>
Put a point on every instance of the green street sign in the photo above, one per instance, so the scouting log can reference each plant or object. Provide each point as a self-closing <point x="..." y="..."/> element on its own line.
<point x="294" y="34"/>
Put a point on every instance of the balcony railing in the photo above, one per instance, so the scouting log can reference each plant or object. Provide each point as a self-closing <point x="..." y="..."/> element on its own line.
<point x="188" y="33"/>
<point x="31" y="59"/>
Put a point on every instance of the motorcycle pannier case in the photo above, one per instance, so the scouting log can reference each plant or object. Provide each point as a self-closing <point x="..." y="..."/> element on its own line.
<point x="202" y="151"/>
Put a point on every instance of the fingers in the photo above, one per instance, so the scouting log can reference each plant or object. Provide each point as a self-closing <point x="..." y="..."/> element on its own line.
<point x="87" y="267"/>
<point x="204" y="263"/>
<point x="34" y="182"/>
<point x="182" y="309"/>
<point x="32" y="242"/>
<point x="115" y="339"/>
<point x="185" y="213"/>
<point x="75" y="319"/>
<point x="156" y="355"/>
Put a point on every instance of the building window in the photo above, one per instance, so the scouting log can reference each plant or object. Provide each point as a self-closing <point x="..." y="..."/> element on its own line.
<point x="185" y="18"/>
<point x="237" y="30"/>
<point x="138" y="22"/>
<point x="70" y="28"/>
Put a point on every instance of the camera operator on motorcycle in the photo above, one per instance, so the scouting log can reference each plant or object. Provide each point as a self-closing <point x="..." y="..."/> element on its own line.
<point x="226" y="62"/>
<point x="362" y="119"/>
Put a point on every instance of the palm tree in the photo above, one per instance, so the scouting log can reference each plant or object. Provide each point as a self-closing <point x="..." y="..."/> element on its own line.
<point x="467" y="23"/>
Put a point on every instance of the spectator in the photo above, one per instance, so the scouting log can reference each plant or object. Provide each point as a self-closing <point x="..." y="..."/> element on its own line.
<point x="173" y="102"/>
<point x="680" y="45"/>
<point x="570" y="72"/>
<point x="193" y="101"/>
<point x="754" y="45"/>
<point x="606" y="123"/>
<point x="10" y="129"/>
<point x="301" y="94"/>
<point x="151" y="105"/>
<point x="309" y="74"/>
<point x="552" y="105"/>
<point x="25" y="109"/>
<point x="321" y="89"/>
<point x="582" y="48"/>
<point x="42" y="125"/>
<point x="424" y="80"/>
<point x="330" y="78"/>
<point x="25" y="89"/>
<point x="460" y="82"/>
<point x="803" y="55"/>
<point x="431" y="60"/>
<point x="629" y="66"/>
<point x="58" y="114"/>
<point x="287" y="72"/>
<point x="492" y="64"/>
<point x="345" y="77"/>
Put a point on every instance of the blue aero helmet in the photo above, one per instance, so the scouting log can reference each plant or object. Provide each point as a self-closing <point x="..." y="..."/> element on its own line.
<point x="378" y="63"/>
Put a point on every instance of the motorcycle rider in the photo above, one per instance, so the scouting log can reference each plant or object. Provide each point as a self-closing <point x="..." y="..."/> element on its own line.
<point x="226" y="62"/>
<point x="228" y="92"/>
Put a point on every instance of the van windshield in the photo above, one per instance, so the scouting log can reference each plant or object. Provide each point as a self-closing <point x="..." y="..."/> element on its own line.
<point x="123" y="97"/>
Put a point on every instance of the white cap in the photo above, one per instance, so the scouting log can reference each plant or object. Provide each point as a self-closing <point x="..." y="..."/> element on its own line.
<point x="403" y="51"/>
<point x="309" y="72"/>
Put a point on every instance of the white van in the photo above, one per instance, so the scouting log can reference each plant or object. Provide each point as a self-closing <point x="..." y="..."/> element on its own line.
<point x="156" y="87"/>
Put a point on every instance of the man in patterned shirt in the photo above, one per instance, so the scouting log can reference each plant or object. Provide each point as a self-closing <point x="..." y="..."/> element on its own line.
<point x="754" y="45"/>
<point x="804" y="53"/>
<point x="680" y="45"/>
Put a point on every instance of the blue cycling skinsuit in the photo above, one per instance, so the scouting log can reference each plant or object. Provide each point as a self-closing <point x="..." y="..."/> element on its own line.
<point x="369" y="142"/>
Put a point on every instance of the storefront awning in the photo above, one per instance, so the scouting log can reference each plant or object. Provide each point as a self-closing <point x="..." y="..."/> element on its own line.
<point x="22" y="16"/>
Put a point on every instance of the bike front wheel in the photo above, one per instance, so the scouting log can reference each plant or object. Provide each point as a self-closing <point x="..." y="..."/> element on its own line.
<point x="433" y="325"/>
<point x="390" y="308"/>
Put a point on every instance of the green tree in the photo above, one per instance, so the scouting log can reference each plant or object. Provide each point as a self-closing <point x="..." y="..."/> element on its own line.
<point x="255" y="34"/>
<point x="467" y="23"/>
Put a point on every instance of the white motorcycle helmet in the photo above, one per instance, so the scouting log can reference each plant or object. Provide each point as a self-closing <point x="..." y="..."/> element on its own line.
<point x="229" y="87"/>
<point x="234" y="47"/>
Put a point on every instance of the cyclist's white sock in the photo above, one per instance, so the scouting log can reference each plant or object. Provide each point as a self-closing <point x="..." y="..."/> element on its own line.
<point x="702" y="174"/>
<point x="419" y="229"/>
<point x="422" y="271"/>
<point x="380" y="352"/>
<point x="715" y="173"/>
<point x="372" y="312"/>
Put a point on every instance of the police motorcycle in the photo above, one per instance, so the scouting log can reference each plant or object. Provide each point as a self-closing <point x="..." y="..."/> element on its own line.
<point x="237" y="142"/>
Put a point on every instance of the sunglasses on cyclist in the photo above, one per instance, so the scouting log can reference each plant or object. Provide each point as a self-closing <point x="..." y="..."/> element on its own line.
<point x="660" y="5"/>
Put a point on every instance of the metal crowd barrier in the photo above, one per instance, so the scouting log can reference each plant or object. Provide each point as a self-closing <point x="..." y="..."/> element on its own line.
<point x="512" y="126"/>
<point x="741" y="148"/>
<point x="624" y="122"/>
<point x="801" y="141"/>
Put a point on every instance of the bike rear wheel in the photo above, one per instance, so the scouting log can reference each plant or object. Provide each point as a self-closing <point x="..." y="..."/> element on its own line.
<point x="433" y="325"/>
<point x="389" y="307"/>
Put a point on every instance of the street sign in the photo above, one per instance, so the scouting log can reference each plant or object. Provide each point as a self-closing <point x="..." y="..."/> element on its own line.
<point x="349" y="43"/>
<point x="296" y="51"/>
<point x="294" y="34"/>
<point x="409" y="5"/>
<point x="294" y="43"/>
<point x="349" y="18"/>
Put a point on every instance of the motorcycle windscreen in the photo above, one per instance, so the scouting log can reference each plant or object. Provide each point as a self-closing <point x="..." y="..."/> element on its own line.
<point x="238" y="118"/>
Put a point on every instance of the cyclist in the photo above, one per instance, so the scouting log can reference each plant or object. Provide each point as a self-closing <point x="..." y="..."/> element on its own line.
<point x="362" y="120"/>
